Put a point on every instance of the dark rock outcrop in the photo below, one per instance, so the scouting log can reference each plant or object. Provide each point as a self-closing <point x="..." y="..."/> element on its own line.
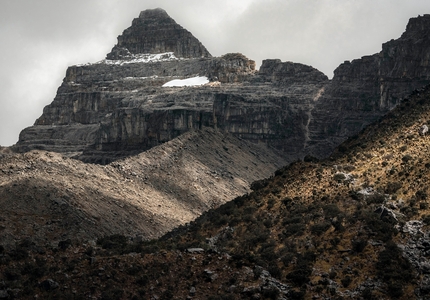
<point x="156" y="32"/>
<point x="363" y="90"/>
<point x="119" y="107"/>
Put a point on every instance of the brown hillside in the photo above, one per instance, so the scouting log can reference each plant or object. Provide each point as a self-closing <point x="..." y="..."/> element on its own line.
<point x="48" y="198"/>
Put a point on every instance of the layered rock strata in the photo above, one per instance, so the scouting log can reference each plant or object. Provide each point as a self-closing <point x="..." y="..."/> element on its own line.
<point x="363" y="90"/>
<point x="119" y="106"/>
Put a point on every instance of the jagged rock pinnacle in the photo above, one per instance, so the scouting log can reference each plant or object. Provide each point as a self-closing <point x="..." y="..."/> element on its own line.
<point x="156" y="32"/>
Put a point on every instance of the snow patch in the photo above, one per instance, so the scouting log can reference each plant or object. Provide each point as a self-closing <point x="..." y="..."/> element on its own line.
<point x="140" y="78"/>
<point x="193" y="81"/>
<point x="137" y="58"/>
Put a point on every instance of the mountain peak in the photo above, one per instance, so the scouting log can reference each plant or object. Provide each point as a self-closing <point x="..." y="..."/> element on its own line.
<point x="418" y="26"/>
<point x="156" y="32"/>
<point x="156" y="13"/>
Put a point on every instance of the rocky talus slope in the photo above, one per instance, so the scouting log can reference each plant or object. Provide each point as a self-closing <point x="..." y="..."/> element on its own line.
<point x="47" y="197"/>
<point x="119" y="107"/>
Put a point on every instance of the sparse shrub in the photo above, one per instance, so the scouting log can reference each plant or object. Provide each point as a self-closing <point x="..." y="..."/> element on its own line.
<point x="134" y="270"/>
<point x="303" y="269"/>
<point x="294" y="229"/>
<point x="421" y="195"/>
<point x="271" y="203"/>
<point x="279" y="172"/>
<point x="292" y="220"/>
<point x="406" y="158"/>
<point x="287" y="258"/>
<point x="358" y="245"/>
<point x="310" y="158"/>
<point x="320" y="228"/>
<point x="63" y="245"/>
<point x="270" y="293"/>
<point x="383" y="229"/>
<point x="393" y="269"/>
<point x="409" y="211"/>
<point x="356" y="196"/>
<point x="335" y="241"/>
<point x="11" y="274"/>
<point x="33" y="270"/>
<point x="275" y="271"/>
<point x="112" y="294"/>
<point x="167" y="294"/>
<point x="268" y="223"/>
<point x="346" y="281"/>
<point x="143" y="280"/>
<point x="339" y="177"/>
<point x="287" y="201"/>
<point x="392" y="187"/>
<point x="348" y="168"/>
<point x="296" y="295"/>
<point x="18" y="253"/>
<point x="426" y="219"/>
<point x="222" y="220"/>
<point x="276" y="190"/>
<point x="260" y="184"/>
<point x="114" y="242"/>
<point x="375" y="199"/>
<point x="332" y="211"/>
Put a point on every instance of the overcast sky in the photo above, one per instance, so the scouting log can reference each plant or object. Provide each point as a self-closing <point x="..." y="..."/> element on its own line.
<point x="41" y="38"/>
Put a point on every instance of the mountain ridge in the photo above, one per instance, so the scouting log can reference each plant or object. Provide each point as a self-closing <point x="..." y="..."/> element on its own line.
<point x="118" y="107"/>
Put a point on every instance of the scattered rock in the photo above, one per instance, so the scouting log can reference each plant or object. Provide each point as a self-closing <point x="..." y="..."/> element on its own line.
<point x="423" y="130"/>
<point x="195" y="250"/>
<point x="49" y="284"/>
<point x="4" y="294"/>
<point x="413" y="227"/>
<point x="192" y="290"/>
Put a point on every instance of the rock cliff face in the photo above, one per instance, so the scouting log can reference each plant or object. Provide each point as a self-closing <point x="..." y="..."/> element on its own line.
<point x="119" y="106"/>
<point x="363" y="90"/>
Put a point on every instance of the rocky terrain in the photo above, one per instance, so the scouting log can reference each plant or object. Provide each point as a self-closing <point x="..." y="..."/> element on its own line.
<point x="353" y="226"/>
<point x="119" y="106"/>
<point x="47" y="197"/>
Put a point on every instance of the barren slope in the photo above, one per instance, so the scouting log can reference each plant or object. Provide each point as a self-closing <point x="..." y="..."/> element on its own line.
<point x="47" y="197"/>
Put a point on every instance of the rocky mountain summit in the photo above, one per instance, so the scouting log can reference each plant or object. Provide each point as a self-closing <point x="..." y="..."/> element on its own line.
<point x="119" y="106"/>
<point x="156" y="32"/>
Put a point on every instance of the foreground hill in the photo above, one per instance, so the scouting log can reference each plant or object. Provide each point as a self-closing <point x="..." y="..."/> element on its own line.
<point x="353" y="226"/>
<point x="48" y="198"/>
